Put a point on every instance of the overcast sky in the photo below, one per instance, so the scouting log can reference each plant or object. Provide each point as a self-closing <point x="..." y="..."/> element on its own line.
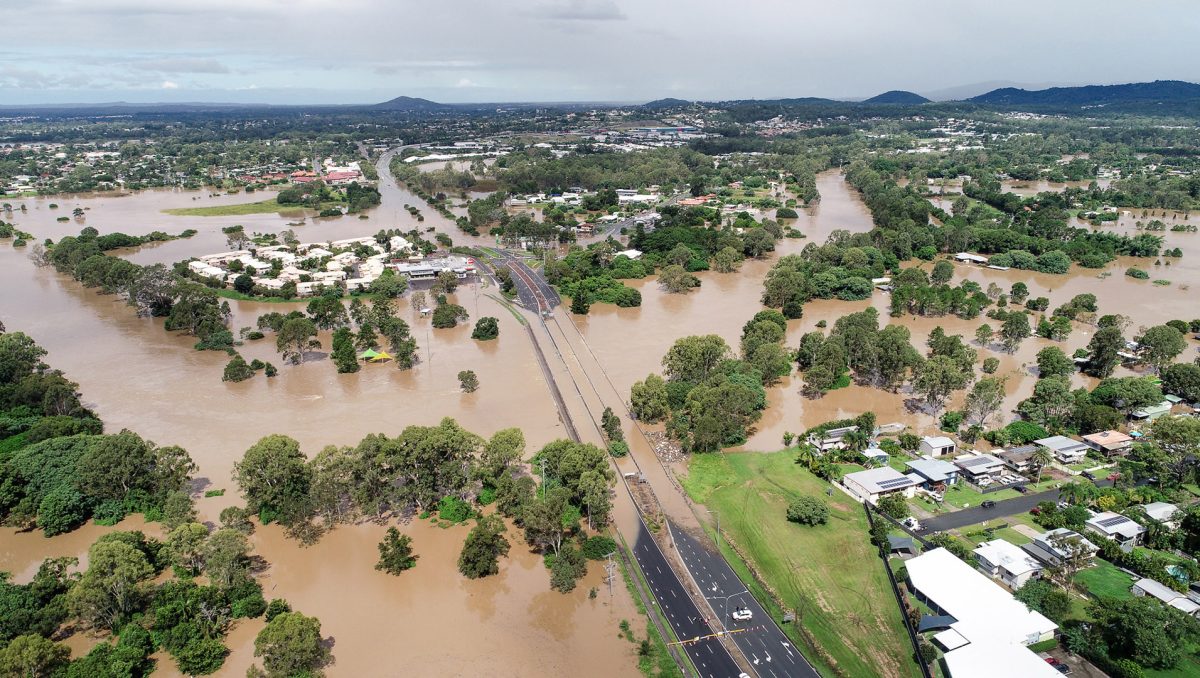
<point x="364" y="51"/>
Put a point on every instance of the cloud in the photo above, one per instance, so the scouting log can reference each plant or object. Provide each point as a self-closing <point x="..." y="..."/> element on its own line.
<point x="181" y="65"/>
<point x="167" y="84"/>
<point x="581" y="10"/>
<point x="465" y="82"/>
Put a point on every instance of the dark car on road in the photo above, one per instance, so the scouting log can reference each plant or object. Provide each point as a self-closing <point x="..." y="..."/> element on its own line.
<point x="988" y="504"/>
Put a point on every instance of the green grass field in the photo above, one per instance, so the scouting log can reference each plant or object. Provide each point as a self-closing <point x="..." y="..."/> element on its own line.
<point x="1105" y="580"/>
<point x="241" y="209"/>
<point x="830" y="575"/>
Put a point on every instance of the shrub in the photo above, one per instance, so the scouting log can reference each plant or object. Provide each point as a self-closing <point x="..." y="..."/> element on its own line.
<point x="808" y="511"/>
<point x="599" y="546"/>
<point x="1137" y="273"/>
<point x="454" y="509"/>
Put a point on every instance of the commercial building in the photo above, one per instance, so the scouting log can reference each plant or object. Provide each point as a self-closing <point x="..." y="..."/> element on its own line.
<point x="991" y="631"/>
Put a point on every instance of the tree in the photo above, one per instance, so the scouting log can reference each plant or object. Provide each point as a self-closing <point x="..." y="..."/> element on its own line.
<point x="484" y="546"/>
<point x="1014" y="330"/>
<point x="237" y="369"/>
<point x="244" y="283"/>
<point x="291" y="645"/>
<point x="984" y="335"/>
<point x="580" y="304"/>
<point x="1182" y="380"/>
<point x="692" y="359"/>
<point x="113" y="466"/>
<point x="113" y="585"/>
<point x="296" y="336"/>
<point x="942" y="272"/>
<point x="1103" y="351"/>
<point x="1052" y="362"/>
<point x="984" y="400"/>
<point x="1179" y="439"/>
<point x="1127" y="393"/>
<point x="936" y="378"/>
<point x="327" y="311"/>
<point x="543" y="519"/>
<point x="468" y="381"/>
<point x="1042" y="596"/>
<point x="1018" y="293"/>
<point x="226" y="556"/>
<point x="33" y="656"/>
<point x="1041" y="458"/>
<point x="648" y="400"/>
<point x="449" y="315"/>
<point x="344" y="356"/>
<point x="1051" y="404"/>
<point x="486" y="328"/>
<point x="990" y="365"/>
<point x="808" y="511"/>
<point x="1161" y="344"/>
<point x="395" y="553"/>
<point x="893" y="505"/>
<point x="186" y="546"/>
<point x="1143" y="629"/>
<point x="727" y="260"/>
<point x="446" y="283"/>
<point x="275" y="480"/>
<point x="568" y="567"/>
<point x="675" y="280"/>
<point x="389" y="285"/>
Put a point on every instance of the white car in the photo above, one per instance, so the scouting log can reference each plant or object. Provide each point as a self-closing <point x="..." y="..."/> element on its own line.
<point x="742" y="614"/>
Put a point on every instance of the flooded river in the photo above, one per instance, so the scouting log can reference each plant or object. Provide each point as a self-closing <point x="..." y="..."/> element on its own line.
<point x="137" y="376"/>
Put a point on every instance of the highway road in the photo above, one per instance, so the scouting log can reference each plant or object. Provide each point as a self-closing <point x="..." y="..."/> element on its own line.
<point x="761" y="641"/>
<point x="709" y="656"/>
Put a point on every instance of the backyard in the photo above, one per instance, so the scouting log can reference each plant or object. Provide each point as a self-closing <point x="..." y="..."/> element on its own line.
<point x="830" y="575"/>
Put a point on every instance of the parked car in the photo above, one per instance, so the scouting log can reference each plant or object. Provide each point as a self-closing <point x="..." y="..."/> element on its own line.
<point x="988" y="504"/>
<point x="742" y="614"/>
<point x="1022" y="489"/>
<point x="1062" y="668"/>
<point x="912" y="524"/>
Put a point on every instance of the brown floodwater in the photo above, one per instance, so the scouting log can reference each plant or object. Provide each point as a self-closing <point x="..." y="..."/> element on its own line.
<point x="137" y="376"/>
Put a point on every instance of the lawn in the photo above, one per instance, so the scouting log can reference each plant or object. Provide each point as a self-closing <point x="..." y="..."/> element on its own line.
<point x="962" y="495"/>
<point x="829" y="575"/>
<point x="1105" y="580"/>
<point x="240" y="209"/>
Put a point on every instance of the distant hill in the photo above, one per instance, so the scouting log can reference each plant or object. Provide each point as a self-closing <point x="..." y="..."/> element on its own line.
<point x="1092" y="95"/>
<point x="412" y="104"/>
<point x="897" y="96"/>
<point x="666" y="103"/>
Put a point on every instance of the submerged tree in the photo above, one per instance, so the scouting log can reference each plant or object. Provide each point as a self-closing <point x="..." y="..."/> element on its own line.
<point x="395" y="553"/>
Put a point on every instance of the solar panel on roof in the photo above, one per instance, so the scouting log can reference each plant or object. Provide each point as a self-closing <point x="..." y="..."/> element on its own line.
<point x="893" y="482"/>
<point x="1115" y="520"/>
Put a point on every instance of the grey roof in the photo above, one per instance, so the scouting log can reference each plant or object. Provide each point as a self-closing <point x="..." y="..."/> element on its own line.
<point x="933" y="469"/>
<point x="931" y="622"/>
<point x="901" y="543"/>
<point x="980" y="462"/>
<point x="880" y="479"/>
<point x="1061" y="443"/>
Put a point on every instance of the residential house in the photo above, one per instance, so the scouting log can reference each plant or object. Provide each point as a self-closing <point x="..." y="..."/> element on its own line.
<point x="874" y="483"/>
<point x="876" y="456"/>
<point x="1019" y="459"/>
<point x="1006" y="561"/>
<point x="1117" y="527"/>
<point x="1151" y="412"/>
<point x="968" y="258"/>
<point x="1108" y="442"/>
<point x="632" y="254"/>
<point x="1055" y="546"/>
<point x="1163" y="512"/>
<point x="936" y="446"/>
<point x="991" y="631"/>
<point x="980" y="469"/>
<point x="1066" y="450"/>
<point x="830" y="439"/>
<point x="1169" y="597"/>
<point x="935" y="473"/>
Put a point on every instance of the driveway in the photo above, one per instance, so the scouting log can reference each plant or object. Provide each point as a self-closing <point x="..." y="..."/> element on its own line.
<point x="978" y="514"/>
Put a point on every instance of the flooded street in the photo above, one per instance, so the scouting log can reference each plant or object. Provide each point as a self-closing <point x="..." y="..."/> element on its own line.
<point x="139" y="377"/>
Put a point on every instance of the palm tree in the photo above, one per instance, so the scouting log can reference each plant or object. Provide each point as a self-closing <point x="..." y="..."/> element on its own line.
<point x="806" y="455"/>
<point x="1077" y="492"/>
<point x="1041" y="458"/>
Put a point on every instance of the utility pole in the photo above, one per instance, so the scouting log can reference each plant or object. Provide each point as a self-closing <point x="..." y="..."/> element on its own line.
<point x="543" y="479"/>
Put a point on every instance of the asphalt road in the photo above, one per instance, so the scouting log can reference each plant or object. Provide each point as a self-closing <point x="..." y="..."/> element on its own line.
<point x="532" y="289"/>
<point x="709" y="656"/>
<point x="761" y="640"/>
<point x="978" y="514"/>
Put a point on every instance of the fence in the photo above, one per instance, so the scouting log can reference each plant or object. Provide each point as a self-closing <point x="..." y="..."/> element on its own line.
<point x="887" y="566"/>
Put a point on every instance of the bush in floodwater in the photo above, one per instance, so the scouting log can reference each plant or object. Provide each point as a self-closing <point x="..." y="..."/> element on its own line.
<point x="454" y="510"/>
<point x="1137" y="273"/>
